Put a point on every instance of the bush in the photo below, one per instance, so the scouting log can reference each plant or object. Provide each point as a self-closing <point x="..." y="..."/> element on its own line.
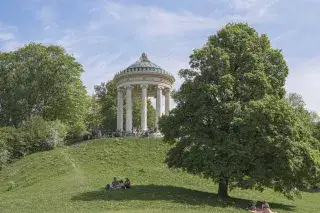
<point x="58" y="132"/>
<point x="34" y="135"/>
<point x="12" y="144"/>
<point x="4" y="154"/>
<point x="41" y="135"/>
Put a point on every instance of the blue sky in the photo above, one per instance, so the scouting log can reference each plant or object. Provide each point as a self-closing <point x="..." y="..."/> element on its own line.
<point x="107" y="36"/>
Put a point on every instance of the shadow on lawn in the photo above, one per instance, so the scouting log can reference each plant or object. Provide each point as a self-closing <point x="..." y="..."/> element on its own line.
<point x="170" y="193"/>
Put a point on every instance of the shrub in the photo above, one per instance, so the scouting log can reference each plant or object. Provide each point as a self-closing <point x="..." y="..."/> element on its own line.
<point x="34" y="135"/>
<point x="12" y="140"/>
<point x="4" y="154"/>
<point x="57" y="133"/>
<point x="41" y="135"/>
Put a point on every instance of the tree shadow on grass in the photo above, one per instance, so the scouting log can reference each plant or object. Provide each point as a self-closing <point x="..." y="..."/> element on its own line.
<point x="170" y="193"/>
<point x="313" y="190"/>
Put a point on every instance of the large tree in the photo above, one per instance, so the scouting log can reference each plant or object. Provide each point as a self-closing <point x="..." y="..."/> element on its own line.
<point x="232" y="123"/>
<point x="42" y="80"/>
<point x="106" y="94"/>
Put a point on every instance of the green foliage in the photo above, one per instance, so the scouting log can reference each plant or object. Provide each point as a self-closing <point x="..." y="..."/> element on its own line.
<point x="296" y="101"/>
<point x="12" y="140"/>
<point x="311" y="119"/>
<point x="42" y="80"/>
<point x="34" y="135"/>
<point x="316" y="131"/>
<point x="136" y="113"/>
<point x="232" y="123"/>
<point x="72" y="179"/>
<point x="151" y="115"/>
<point x="41" y="135"/>
<point x="106" y="97"/>
<point x="287" y="155"/>
<point x="94" y="118"/>
<point x="106" y="94"/>
<point x="4" y="154"/>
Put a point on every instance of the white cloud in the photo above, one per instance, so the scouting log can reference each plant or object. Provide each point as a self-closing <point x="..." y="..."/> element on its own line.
<point x="8" y="40"/>
<point x="244" y="4"/>
<point x="47" y="16"/>
<point x="11" y="45"/>
<point x="284" y="35"/>
<point x="99" y="68"/>
<point x="70" y="38"/>
<point x="151" y="21"/>
<point x="7" y="32"/>
<point x="6" y="36"/>
<point x="254" y="11"/>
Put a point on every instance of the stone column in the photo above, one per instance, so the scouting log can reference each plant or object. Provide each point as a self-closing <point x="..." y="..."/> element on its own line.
<point x="167" y="101"/>
<point x="120" y="110"/>
<point x="144" y="109"/>
<point x="158" y="105"/>
<point x="128" y="109"/>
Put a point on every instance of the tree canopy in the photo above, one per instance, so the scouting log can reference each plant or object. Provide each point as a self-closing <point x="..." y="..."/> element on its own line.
<point x="232" y="123"/>
<point x="42" y="80"/>
<point x="310" y="118"/>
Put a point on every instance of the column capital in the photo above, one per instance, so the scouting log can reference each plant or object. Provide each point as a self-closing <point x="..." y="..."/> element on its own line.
<point x="160" y="87"/>
<point x="120" y="89"/>
<point x="128" y="87"/>
<point x="167" y="90"/>
<point x="144" y="86"/>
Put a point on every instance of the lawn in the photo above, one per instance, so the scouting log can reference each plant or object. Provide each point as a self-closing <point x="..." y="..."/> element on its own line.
<point x="72" y="179"/>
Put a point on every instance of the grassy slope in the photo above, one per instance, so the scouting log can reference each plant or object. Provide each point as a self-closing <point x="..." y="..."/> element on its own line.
<point x="71" y="179"/>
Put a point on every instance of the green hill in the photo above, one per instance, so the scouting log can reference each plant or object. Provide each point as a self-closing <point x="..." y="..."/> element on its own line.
<point x="71" y="179"/>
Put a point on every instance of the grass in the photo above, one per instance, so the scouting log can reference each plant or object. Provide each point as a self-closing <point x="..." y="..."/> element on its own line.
<point x="72" y="179"/>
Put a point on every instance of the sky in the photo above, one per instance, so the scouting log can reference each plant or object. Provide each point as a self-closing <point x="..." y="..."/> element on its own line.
<point x="107" y="36"/>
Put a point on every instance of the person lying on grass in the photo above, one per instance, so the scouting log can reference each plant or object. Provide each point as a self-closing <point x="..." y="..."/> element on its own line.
<point x="108" y="188"/>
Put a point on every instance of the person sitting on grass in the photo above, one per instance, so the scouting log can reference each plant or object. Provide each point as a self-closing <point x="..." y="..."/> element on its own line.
<point x="127" y="184"/>
<point x="115" y="183"/>
<point x="121" y="184"/>
<point x="265" y="208"/>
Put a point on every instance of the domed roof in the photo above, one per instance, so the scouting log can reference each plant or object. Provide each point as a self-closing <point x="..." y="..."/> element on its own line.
<point x="144" y="62"/>
<point x="144" y="65"/>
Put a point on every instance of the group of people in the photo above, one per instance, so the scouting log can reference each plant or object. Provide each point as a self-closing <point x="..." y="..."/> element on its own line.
<point x="265" y="208"/>
<point x="119" y="184"/>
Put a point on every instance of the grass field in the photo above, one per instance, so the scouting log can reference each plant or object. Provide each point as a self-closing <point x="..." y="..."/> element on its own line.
<point x="72" y="179"/>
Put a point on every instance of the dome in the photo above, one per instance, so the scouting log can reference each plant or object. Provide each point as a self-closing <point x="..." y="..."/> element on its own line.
<point x="144" y="65"/>
<point x="144" y="62"/>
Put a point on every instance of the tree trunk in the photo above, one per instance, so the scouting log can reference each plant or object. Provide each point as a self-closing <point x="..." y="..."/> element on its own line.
<point x="223" y="188"/>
